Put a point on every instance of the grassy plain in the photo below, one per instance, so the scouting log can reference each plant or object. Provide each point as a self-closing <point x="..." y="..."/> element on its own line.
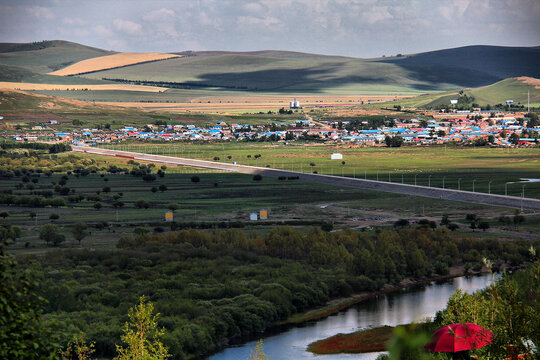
<point x="429" y="165"/>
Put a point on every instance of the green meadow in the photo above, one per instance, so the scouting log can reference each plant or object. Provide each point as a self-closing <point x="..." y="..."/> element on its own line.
<point x="494" y="170"/>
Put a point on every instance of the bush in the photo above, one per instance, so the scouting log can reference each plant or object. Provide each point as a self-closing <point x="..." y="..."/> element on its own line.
<point x="195" y="179"/>
<point x="257" y="177"/>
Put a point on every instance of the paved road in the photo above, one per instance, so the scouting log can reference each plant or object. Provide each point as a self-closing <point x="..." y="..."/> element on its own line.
<point x="430" y="192"/>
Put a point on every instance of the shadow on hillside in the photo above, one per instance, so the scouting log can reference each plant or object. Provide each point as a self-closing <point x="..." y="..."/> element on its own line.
<point x="308" y="80"/>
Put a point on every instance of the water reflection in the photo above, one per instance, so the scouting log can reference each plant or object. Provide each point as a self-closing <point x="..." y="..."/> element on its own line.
<point x="392" y="309"/>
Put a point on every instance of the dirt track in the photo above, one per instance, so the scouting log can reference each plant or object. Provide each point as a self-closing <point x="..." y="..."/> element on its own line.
<point x="430" y="192"/>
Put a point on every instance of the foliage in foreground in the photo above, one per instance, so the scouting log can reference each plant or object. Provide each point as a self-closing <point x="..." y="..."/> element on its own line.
<point x="214" y="286"/>
<point x="509" y="308"/>
<point x="23" y="334"/>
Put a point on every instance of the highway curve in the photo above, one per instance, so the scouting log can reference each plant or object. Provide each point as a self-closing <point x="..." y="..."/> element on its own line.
<point x="430" y="192"/>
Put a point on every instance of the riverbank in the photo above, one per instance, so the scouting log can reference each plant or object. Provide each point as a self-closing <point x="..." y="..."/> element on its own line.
<point x="340" y="304"/>
<point x="363" y="341"/>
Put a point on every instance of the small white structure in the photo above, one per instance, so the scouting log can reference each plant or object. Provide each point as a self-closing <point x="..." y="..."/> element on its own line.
<point x="508" y="102"/>
<point x="253" y="216"/>
<point x="295" y="104"/>
<point x="336" y="156"/>
<point x="453" y="102"/>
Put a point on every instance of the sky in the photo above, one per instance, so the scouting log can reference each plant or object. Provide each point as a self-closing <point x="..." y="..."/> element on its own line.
<point x="358" y="28"/>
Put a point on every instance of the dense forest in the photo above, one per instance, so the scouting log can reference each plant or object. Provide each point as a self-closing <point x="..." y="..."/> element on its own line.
<point x="213" y="286"/>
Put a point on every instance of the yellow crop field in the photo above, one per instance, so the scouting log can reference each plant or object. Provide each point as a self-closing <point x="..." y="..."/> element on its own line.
<point x="260" y="102"/>
<point x="111" y="62"/>
<point x="125" y="87"/>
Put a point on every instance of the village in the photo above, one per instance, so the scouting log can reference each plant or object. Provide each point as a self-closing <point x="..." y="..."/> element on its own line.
<point x="478" y="127"/>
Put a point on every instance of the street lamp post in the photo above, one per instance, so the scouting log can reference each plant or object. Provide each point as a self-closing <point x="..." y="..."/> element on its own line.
<point x="459" y="184"/>
<point x="473" y="184"/>
<point x="489" y="186"/>
<point x="415" y="175"/>
<point x="505" y="189"/>
<point x="443" y="181"/>
<point x="429" y="181"/>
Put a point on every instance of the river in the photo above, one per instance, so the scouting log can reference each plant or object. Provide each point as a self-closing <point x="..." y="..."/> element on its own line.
<point x="391" y="309"/>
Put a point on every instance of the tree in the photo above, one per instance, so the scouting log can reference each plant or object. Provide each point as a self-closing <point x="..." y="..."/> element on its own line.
<point x="54" y="217"/>
<point x="257" y="177"/>
<point x="172" y="206"/>
<point x="141" y="204"/>
<point x="106" y="189"/>
<point x="98" y="206"/>
<point x="118" y="204"/>
<point x="483" y="226"/>
<point x="50" y="233"/>
<point x="162" y="187"/>
<point x="4" y="214"/>
<point x="258" y="354"/>
<point x="533" y="120"/>
<point x="514" y="138"/>
<point x="195" y="179"/>
<point x="79" y="231"/>
<point x="78" y="349"/>
<point x="401" y="223"/>
<point x="141" y="335"/>
<point x="23" y="334"/>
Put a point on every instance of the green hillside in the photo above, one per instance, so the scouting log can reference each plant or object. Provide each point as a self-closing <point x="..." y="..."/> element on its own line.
<point x="497" y="93"/>
<point x="46" y="56"/>
<point x="269" y="72"/>
<point x="508" y="89"/>
<point x="284" y="71"/>
<point x="287" y="72"/>
<point x="18" y="74"/>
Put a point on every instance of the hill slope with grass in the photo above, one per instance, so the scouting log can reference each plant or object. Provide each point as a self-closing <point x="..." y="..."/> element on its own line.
<point x="517" y="89"/>
<point x="286" y="71"/>
<point x="46" y="56"/>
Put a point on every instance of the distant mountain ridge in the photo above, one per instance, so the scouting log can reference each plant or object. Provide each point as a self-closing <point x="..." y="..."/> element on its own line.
<point x="287" y="71"/>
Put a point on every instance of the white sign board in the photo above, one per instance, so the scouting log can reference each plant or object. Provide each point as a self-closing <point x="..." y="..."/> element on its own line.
<point x="336" y="156"/>
<point x="453" y="102"/>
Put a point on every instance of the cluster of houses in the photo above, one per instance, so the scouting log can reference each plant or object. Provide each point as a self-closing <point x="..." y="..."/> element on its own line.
<point x="496" y="127"/>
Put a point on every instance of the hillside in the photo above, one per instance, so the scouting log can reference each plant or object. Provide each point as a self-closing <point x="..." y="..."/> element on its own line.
<point x="46" y="56"/>
<point x="109" y="62"/>
<point x="283" y="71"/>
<point x="272" y="71"/>
<point x="516" y="89"/>
<point x="472" y="65"/>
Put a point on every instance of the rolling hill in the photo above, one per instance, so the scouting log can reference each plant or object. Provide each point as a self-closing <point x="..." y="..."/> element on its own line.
<point x="517" y="89"/>
<point x="273" y="71"/>
<point x="285" y="71"/>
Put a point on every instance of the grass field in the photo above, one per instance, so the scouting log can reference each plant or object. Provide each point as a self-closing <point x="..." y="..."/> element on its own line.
<point x="429" y="165"/>
<point x="111" y="62"/>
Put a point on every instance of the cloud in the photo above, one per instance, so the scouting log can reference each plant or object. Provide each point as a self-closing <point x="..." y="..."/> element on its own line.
<point x="103" y="31"/>
<point x="74" y="21"/>
<point x="267" y="23"/>
<point x="255" y="8"/>
<point x="128" y="27"/>
<point x="162" y="14"/>
<point x="41" y="12"/>
<point x="376" y="14"/>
